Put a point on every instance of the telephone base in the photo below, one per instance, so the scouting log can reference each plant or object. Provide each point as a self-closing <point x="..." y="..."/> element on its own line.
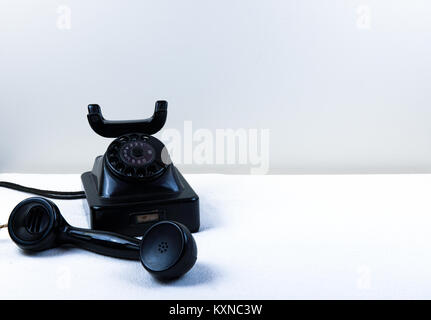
<point x="133" y="216"/>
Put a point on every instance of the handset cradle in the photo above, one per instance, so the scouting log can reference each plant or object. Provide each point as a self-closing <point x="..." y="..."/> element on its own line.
<point x="114" y="129"/>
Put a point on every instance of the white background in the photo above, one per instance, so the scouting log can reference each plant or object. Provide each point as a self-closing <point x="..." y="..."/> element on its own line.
<point x="343" y="86"/>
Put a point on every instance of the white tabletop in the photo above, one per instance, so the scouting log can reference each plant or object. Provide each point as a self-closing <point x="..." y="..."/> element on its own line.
<point x="262" y="237"/>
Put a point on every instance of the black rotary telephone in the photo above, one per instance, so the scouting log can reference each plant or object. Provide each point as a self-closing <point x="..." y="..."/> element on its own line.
<point x="135" y="183"/>
<point x="133" y="190"/>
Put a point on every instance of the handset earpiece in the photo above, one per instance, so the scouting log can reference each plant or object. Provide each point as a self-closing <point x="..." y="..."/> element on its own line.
<point x="167" y="249"/>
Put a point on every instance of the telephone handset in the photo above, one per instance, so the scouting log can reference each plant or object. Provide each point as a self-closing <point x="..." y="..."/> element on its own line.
<point x="135" y="184"/>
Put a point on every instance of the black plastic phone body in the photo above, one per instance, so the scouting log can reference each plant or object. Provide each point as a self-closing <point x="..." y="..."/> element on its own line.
<point x="134" y="184"/>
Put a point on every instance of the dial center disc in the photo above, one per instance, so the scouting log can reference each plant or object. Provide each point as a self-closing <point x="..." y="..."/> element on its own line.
<point x="137" y="153"/>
